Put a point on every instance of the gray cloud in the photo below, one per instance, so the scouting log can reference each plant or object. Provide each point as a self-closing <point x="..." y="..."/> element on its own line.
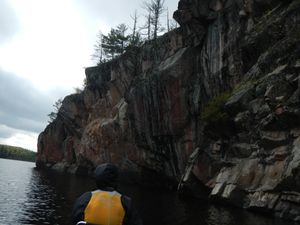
<point x="22" y="123"/>
<point x="118" y="11"/>
<point x="22" y="105"/>
<point x="107" y="10"/>
<point x="9" y="23"/>
<point x="6" y="132"/>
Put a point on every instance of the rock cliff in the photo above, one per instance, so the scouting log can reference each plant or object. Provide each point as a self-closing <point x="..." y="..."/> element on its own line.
<point x="213" y="105"/>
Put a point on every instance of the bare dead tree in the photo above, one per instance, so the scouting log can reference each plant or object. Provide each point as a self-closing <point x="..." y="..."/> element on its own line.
<point x="147" y="27"/>
<point x="135" y="37"/>
<point x="155" y="9"/>
<point x="134" y="18"/>
<point x="168" y="20"/>
<point x="171" y="23"/>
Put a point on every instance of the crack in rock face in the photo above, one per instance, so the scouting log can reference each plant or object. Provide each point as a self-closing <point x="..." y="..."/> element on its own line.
<point x="213" y="106"/>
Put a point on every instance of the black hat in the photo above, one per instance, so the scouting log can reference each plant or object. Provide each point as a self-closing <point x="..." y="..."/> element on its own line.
<point x="106" y="175"/>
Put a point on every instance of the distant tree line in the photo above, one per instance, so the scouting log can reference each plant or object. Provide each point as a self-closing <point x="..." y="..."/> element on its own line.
<point x="11" y="152"/>
<point x="123" y="37"/>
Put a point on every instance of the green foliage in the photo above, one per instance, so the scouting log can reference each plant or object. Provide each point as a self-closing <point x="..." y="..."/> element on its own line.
<point x="214" y="111"/>
<point x="11" y="152"/>
<point x="53" y="115"/>
<point x="85" y="82"/>
<point x="77" y="90"/>
<point x="98" y="54"/>
<point x="115" y="43"/>
<point x="135" y="40"/>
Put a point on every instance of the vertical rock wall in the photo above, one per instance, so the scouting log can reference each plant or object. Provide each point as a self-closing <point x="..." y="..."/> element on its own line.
<point x="213" y="105"/>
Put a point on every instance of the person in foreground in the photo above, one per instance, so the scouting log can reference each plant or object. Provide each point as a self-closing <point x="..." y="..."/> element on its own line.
<point x="105" y="206"/>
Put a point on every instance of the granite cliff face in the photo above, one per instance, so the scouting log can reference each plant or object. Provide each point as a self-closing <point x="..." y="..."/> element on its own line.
<point x="213" y="105"/>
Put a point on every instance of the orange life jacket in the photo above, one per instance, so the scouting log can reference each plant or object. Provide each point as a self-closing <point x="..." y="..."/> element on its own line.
<point x="105" y="208"/>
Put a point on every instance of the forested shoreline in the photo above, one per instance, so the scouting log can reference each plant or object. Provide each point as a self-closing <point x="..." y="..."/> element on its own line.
<point x="12" y="152"/>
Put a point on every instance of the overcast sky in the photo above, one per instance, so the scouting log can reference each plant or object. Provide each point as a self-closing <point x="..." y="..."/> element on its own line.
<point x="44" y="47"/>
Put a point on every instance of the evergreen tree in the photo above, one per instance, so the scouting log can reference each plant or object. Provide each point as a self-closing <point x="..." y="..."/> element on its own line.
<point x="115" y="43"/>
<point x="99" y="54"/>
<point x="12" y="152"/>
<point x="53" y="115"/>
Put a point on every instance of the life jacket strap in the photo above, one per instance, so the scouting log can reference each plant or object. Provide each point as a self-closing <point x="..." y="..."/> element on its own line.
<point x="84" y="223"/>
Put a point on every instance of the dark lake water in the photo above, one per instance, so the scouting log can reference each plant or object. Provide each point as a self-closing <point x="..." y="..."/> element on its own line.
<point x="29" y="196"/>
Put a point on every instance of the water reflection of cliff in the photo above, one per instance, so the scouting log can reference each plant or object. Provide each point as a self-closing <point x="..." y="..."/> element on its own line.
<point x="49" y="198"/>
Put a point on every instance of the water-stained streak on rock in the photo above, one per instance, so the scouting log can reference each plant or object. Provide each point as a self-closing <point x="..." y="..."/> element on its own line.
<point x="223" y="88"/>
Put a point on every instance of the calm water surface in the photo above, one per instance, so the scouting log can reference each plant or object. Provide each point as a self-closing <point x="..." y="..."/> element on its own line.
<point x="28" y="196"/>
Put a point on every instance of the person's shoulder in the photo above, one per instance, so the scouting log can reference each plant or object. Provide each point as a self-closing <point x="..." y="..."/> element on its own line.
<point x="88" y="193"/>
<point x="85" y="196"/>
<point x="126" y="201"/>
<point x="125" y="197"/>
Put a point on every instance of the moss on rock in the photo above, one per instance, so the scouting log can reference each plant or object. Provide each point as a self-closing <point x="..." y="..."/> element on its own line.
<point x="214" y="111"/>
